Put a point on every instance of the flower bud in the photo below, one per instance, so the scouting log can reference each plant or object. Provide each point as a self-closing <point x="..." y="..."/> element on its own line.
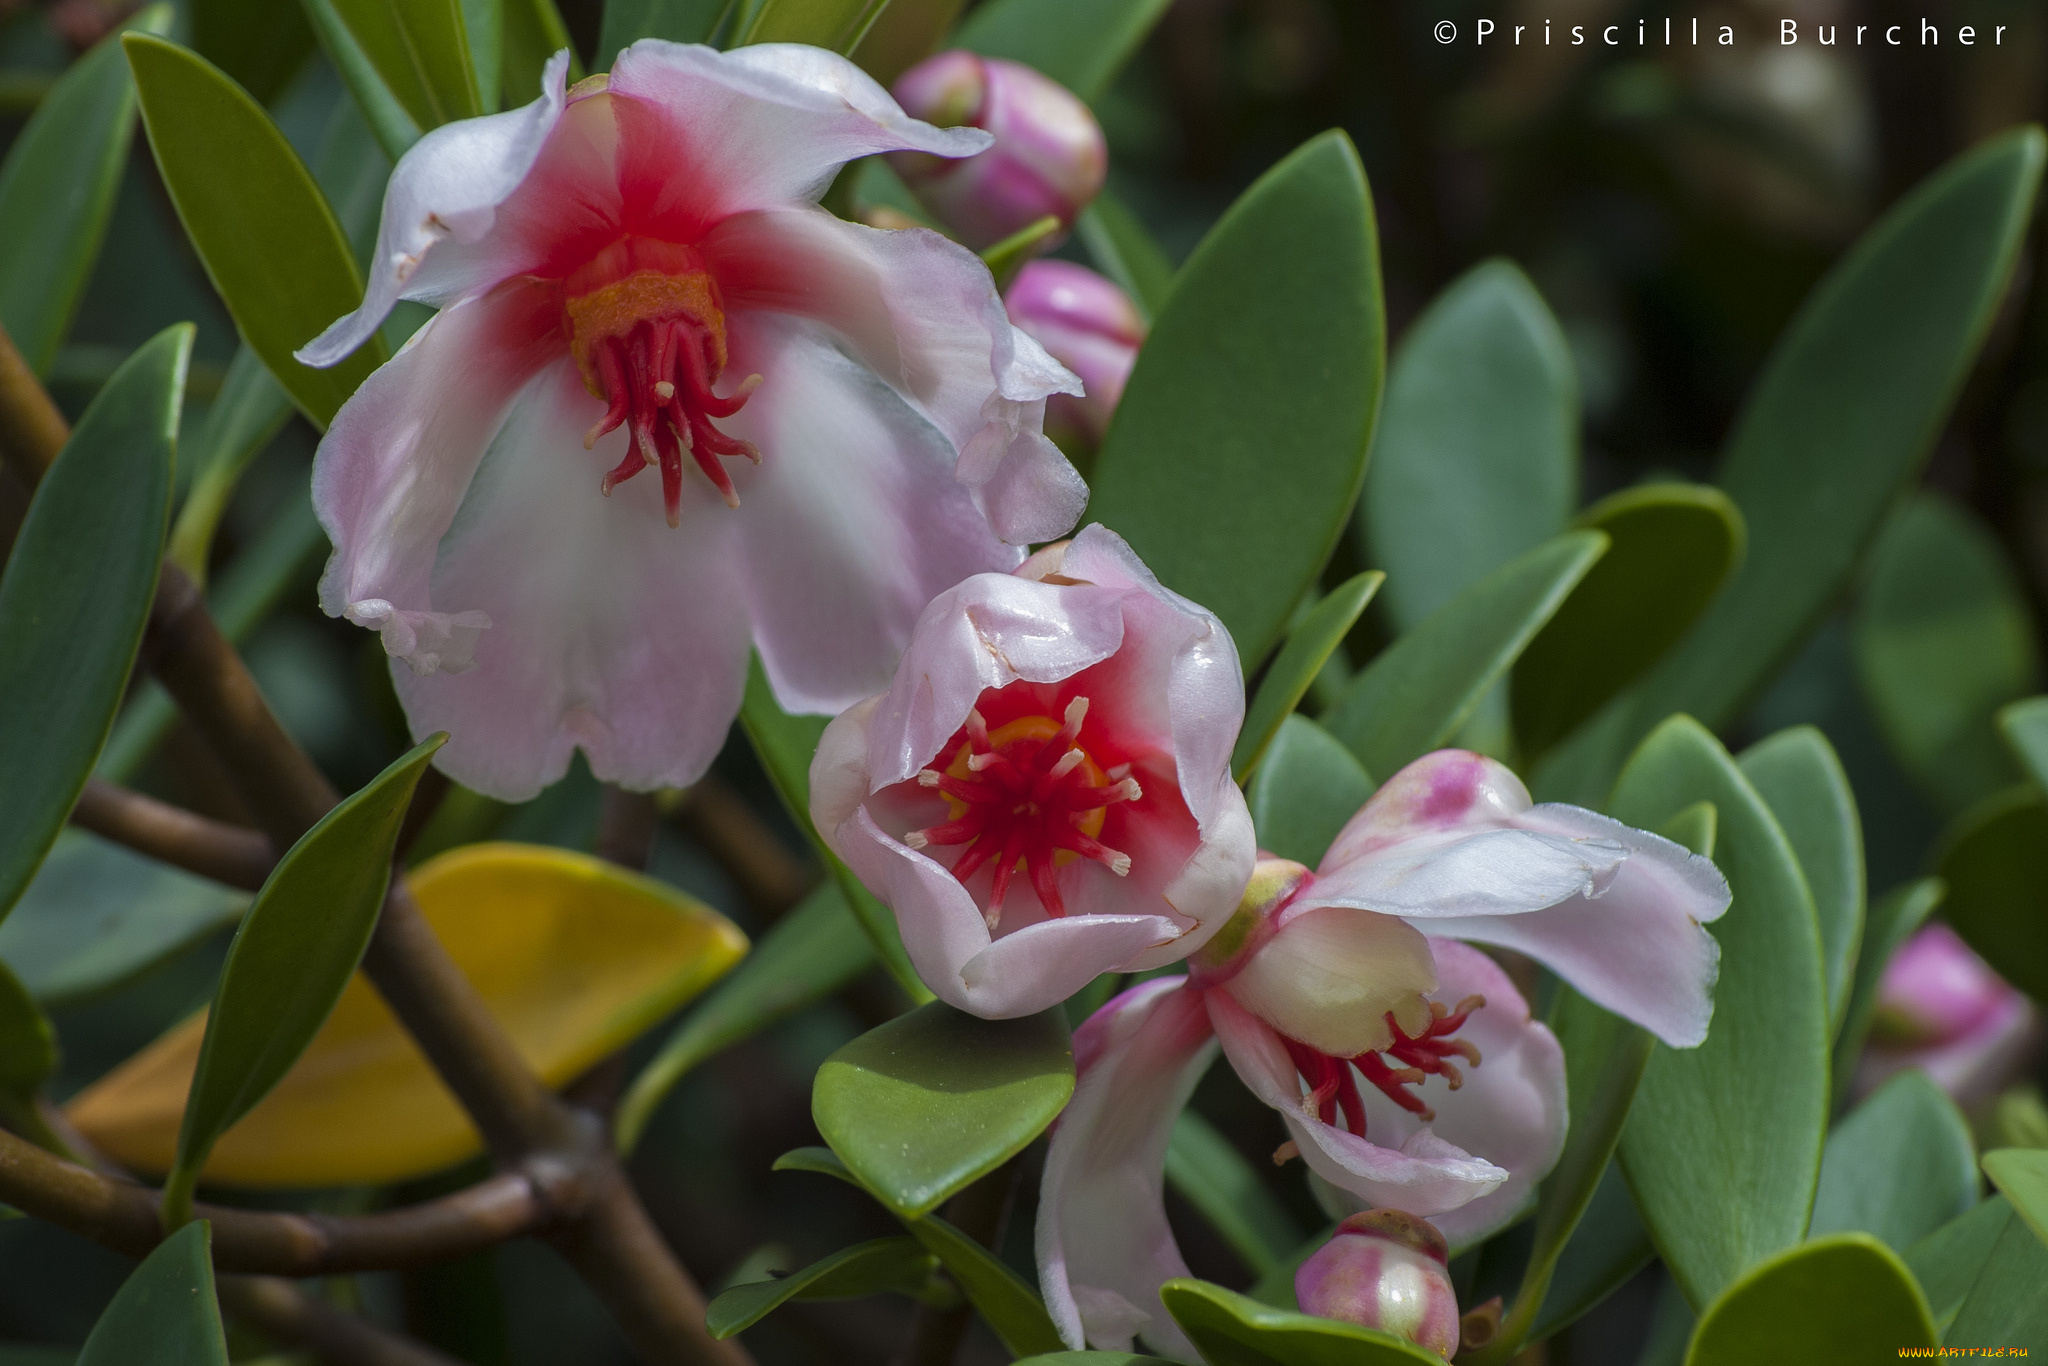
<point x="1942" y="1009"/>
<point x="1048" y="159"/>
<point x="1089" y="326"/>
<point x="1384" y="1269"/>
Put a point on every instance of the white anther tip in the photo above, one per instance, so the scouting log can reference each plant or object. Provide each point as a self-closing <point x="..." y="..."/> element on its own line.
<point x="1120" y="865"/>
<point x="1076" y="710"/>
<point x="927" y="777"/>
<point x="916" y="839"/>
<point x="663" y="390"/>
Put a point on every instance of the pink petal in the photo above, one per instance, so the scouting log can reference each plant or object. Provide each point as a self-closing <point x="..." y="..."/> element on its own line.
<point x="611" y="630"/>
<point x="1104" y="1247"/>
<point x="1426" y="1175"/>
<point x="444" y="197"/>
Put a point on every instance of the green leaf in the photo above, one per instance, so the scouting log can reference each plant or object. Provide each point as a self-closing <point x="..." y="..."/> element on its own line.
<point x="483" y="27"/>
<point x="1946" y="1262"/>
<point x="835" y="24"/>
<point x="28" y="1055"/>
<point x="1287" y="679"/>
<point x="679" y="21"/>
<point x="1415" y="695"/>
<point x="2025" y="727"/>
<point x="261" y="44"/>
<point x="1697" y="828"/>
<point x="1124" y="251"/>
<point x="872" y="1268"/>
<point x="1608" y="1246"/>
<point x="1082" y="44"/>
<point x="1845" y="1298"/>
<point x="262" y="228"/>
<point x="1214" y="1177"/>
<point x="1240" y="441"/>
<point x="904" y="34"/>
<point x="296" y="950"/>
<point x="420" y="51"/>
<point x="1841" y="422"/>
<point x="164" y="1313"/>
<point x="98" y="915"/>
<point x="57" y="193"/>
<point x="812" y="952"/>
<point x="533" y="32"/>
<point x="1307" y="786"/>
<point x="2021" y="1175"/>
<point x="1799" y="777"/>
<point x="1232" y="1330"/>
<point x="1944" y="639"/>
<point x="1673" y="546"/>
<point x="934" y="1100"/>
<point x="2007" y="1306"/>
<point x="250" y="410"/>
<point x="1898" y="1167"/>
<point x="1722" y="1150"/>
<point x="395" y="129"/>
<point x="1995" y="862"/>
<point x="75" y="596"/>
<point x="1891" y="922"/>
<point x="1477" y="458"/>
<point x="997" y="1293"/>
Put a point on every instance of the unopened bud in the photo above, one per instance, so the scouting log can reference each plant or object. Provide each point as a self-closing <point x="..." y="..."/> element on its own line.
<point x="1389" y="1270"/>
<point x="1049" y="157"/>
<point x="1089" y="326"/>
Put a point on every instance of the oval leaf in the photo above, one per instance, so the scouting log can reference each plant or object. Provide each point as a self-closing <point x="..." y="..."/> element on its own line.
<point x="835" y="24"/>
<point x="934" y="1100"/>
<point x="1241" y="438"/>
<point x="575" y="957"/>
<point x="2021" y="1175"/>
<point x="1994" y="861"/>
<point x="872" y="1268"/>
<point x="420" y="49"/>
<point x="1232" y="1330"/>
<point x="1898" y="1167"/>
<point x="2007" y="1305"/>
<point x="164" y="1313"/>
<point x="1124" y="251"/>
<point x="2025" y="727"/>
<point x="262" y="228"/>
<point x="1287" y="680"/>
<point x="1845" y="1299"/>
<point x="1306" y="788"/>
<point x="1891" y="921"/>
<point x="1946" y="1261"/>
<point x="1082" y="44"/>
<point x="76" y="595"/>
<point x="1722" y="1149"/>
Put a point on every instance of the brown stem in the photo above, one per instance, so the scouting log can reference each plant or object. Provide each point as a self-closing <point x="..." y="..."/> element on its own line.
<point x="226" y="853"/>
<point x="32" y="431"/>
<point x="625" y="827"/>
<point x="770" y="877"/>
<point x="281" y="1310"/>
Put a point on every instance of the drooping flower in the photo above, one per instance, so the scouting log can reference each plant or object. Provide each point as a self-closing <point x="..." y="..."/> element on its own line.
<point x="1404" y="1063"/>
<point x="1944" y="1010"/>
<point x="1384" y="1269"/>
<point x="1044" y="792"/>
<point x="1089" y="326"/>
<point x="1048" y="157"/>
<point x="805" y="427"/>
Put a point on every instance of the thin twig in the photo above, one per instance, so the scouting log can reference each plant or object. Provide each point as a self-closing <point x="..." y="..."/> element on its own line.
<point x="232" y="854"/>
<point x="281" y="1310"/>
<point x="32" y="431"/>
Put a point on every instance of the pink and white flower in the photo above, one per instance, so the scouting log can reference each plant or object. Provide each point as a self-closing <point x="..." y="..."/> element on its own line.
<point x="1389" y="1270"/>
<point x="1943" y="1009"/>
<point x="634" y="276"/>
<point x="1404" y="1063"/>
<point x="1044" y="792"/>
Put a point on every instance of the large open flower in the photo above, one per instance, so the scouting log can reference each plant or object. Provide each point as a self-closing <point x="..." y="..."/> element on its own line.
<point x="670" y="404"/>
<point x="1044" y="792"/>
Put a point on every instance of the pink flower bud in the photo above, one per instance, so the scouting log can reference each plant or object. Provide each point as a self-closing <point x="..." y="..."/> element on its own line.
<point x="1384" y="1269"/>
<point x="1048" y="157"/>
<point x="1941" y="1008"/>
<point x="1089" y="326"/>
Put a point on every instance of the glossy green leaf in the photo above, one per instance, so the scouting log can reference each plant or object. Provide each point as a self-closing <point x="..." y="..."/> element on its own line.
<point x="1672" y="547"/>
<point x="2021" y="1175"/>
<point x="1241" y="437"/>
<point x="1287" y="679"/>
<point x="1415" y="695"/>
<point x="1722" y="1149"/>
<point x="295" y="951"/>
<point x="1799" y="777"/>
<point x="1608" y="1246"/>
<point x="533" y="32"/>
<point x="164" y="1313"/>
<point x="2025" y="727"/>
<point x="1947" y="1261"/>
<point x="835" y="24"/>
<point x="1124" y="251"/>
<point x="395" y="129"/>
<point x="1228" y="1191"/>
<point x="812" y="952"/>
<point x="261" y="44"/>
<point x="98" y="915"/>
<point x="1082" y="44"/>
<point x="1898" y="1166"/>
<point x="420" y="50"/>
<point x="250" y="410"/>
<point x="269" y="242"/>
<point x="932" y="1101"/>
<point x="1697" y="828"/>
<point x="1892" y="920"/>
<point x="57" y="189"/>
<point x="2007" y="1305"/>
<point x="872" y="1268"/>
<point x="28" y="1055"/>
<point x="75" y="596"/>
<point x="1843" y="1299"/>
<point x="679" y="21"/>
<point x="1307" y="786"/>
<point x="1995" y="862"/>
<point x="1944" y="638"/>
<point x="1841" y="421"/>
<point x="1477" y="457"/>
<point x="1233" y="1330"/>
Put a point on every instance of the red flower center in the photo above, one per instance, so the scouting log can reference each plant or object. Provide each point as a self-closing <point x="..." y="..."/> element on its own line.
<point x="1332" y="1087"/>
<point x="1028" y="797"/>
<point x="647" y="330"/>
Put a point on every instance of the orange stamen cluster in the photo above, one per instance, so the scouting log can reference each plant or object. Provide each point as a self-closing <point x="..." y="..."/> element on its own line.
<point x="1334" y="1090"/>
<point x="1027" y="798"/>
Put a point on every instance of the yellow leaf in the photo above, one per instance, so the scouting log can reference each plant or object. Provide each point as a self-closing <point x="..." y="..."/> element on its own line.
<point x="575" y="956"/>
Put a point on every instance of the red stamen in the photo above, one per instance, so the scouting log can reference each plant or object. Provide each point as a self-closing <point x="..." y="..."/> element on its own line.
<point x="638" y="372"/>
<point x="1331" y="1084"/>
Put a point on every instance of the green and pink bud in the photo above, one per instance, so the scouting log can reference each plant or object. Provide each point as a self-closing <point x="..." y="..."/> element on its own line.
<point x="1389" y="1270"/>
<point x="1088" y="325"/>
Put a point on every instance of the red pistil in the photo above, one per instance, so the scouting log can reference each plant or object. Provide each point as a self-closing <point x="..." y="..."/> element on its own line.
<point x="1023" y="803"/>
<point x="657" y="381"/>
<point x="1331" y="1087"/>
